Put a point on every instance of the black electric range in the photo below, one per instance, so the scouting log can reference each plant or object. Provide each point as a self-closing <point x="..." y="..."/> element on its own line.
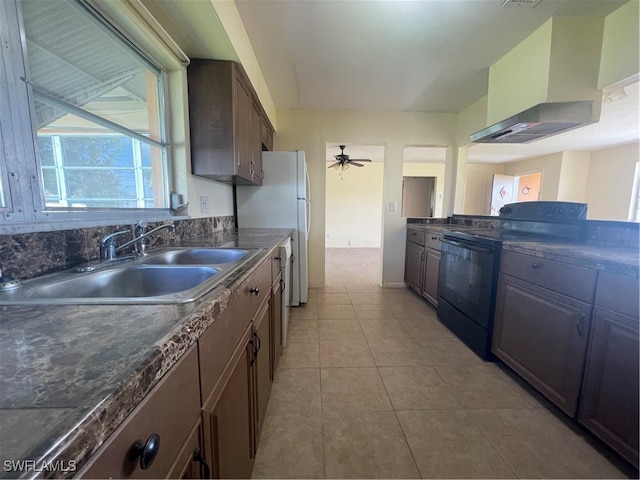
<point x="470" y="261"/>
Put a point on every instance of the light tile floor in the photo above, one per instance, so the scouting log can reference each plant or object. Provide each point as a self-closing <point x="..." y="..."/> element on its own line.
<point x="371" y="385"/>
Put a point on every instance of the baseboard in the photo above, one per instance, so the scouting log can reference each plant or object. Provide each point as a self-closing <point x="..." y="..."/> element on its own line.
<point x="394" y="285"/>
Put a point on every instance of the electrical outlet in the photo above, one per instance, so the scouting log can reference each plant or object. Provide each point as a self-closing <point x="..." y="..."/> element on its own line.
<point x="204" y="204"/>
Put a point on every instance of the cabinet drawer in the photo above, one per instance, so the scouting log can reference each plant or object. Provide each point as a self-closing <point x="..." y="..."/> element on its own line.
<point x="571" y="280"/>
<point x="170" y="410"/>
<point x="415" y="236"/>
<point x="432" y="240"/>
<point x="217" y="343"/>
<point x="257" y="287"/>
<point x="618" y="293"/>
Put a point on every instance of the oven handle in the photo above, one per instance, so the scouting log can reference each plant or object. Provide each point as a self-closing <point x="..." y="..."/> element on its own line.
<point x="468" y="246"/>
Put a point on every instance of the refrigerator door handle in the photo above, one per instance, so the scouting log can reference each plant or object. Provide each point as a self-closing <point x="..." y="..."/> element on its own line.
<point x="308" y="192"/>
<point x="308" y="207"/>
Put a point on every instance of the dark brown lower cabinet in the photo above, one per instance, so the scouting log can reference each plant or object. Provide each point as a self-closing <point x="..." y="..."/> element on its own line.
<point x="190" y="462"/>
<point x="276" y="326"/>
<point x="414" y="255"/>
<point x="160" y="429"/>
<point x="542" y="335"/>
<point x="422" y="263"/>
<point x="610" y="393"/>
<point x="431" y="272"/>
<point x="227" y="416"/>
<point x="262" y="366"/>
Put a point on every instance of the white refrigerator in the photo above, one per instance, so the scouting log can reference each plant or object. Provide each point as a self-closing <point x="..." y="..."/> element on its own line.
<point x="283" y="201"/>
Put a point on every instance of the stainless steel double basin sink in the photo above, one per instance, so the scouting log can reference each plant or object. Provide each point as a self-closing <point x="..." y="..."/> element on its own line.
<point x="168" y="275"/>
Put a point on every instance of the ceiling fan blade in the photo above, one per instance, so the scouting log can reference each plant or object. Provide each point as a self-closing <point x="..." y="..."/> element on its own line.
<point x="360" y="160"/>
<point x="356" y="164"/>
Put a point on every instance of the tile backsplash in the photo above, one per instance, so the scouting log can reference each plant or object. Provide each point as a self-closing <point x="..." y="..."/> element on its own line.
<point x="28" y="255"/>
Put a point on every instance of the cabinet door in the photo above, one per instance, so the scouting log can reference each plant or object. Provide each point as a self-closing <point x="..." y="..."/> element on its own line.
<point x="190" y="462"/>
<point x="242" y="131"/>
<point x="262" y="364"/>
<point x="267" y="134"/>
<point x="276" y="324"/>
<point x="256" y="145"/>
<point x="413" y="266"/>
<point x="431" y="272"/>
<point x="162" y="422"/>
<point x="609" y="406"/>
<point x="228" y="419"/>
<point x="543" y="337"/>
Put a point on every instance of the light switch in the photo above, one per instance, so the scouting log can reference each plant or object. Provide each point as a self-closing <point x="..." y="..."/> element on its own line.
<point x="393" y="206"/>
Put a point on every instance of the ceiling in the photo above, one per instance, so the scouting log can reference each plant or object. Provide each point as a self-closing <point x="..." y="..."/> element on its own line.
<point x="409" y="56"/>
<point x="418" y="56"/>
<point x="393" y="55"/>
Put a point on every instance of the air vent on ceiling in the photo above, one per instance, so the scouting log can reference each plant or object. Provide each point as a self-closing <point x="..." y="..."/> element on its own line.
<point x="520" y="3"/>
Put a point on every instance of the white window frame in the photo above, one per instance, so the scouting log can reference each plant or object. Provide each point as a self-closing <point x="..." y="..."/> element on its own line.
<point x="20" y="178"/>
<point x="634" y="207"/>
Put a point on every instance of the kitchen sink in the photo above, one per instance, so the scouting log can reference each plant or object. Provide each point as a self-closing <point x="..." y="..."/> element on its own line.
<point x="136" y="281"/>
<point x="195" y="256"/>
<point x="175" y="275"/>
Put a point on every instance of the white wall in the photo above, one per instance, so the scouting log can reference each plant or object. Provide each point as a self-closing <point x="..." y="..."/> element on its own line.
<point x="477" y="196"/>
<point x="354" y="206"/>
<point x="549" y="165"/>
<point x="312" y="130"/>
<point x="610" y="182"/>
<point x="572" y="183"/>
<point x="603" y="179"/>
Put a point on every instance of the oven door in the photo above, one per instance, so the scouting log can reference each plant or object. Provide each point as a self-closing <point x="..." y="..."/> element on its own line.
<point x="466" y="278"/>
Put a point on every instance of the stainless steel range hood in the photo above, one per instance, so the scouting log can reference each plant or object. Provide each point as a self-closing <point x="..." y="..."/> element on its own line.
<point x="541" y="121"/>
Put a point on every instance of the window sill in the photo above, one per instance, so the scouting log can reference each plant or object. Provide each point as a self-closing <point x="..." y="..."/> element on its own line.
<point x="55" y="225"/>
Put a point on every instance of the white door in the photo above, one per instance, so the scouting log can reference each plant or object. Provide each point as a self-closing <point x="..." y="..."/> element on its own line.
<point x="502" y="192"/>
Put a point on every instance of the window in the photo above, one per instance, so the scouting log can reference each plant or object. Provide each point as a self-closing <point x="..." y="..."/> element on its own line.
<point x="91" y="130"/>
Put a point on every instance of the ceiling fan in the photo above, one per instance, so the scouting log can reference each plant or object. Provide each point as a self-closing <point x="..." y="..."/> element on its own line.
<point x="343" y="161"/>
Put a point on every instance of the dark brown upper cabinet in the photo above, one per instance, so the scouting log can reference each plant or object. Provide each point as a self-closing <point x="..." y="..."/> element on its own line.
<point x="229" y="128"/>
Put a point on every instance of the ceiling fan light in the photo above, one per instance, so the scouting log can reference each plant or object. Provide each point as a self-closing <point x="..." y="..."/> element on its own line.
<point x="345" y="166"/>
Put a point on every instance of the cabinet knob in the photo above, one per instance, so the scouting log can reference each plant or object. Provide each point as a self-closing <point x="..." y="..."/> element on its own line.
<point x="147" y="451"/>
<point x="255" y="290"/>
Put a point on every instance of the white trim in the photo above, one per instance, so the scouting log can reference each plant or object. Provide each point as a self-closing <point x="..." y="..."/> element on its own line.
<point x="76" y="224"/>
<point x="634" y="205"/>
<point x="141" y="26"/>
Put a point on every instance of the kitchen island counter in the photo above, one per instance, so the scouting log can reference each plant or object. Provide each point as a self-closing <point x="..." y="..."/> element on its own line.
<point x="69" y="375"/>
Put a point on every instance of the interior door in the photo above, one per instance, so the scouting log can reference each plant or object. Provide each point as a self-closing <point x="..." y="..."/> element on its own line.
<point x="502" y="192"/>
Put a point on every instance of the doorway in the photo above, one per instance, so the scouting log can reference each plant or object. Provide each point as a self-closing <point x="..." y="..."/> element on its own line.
<point x="423" y="181"/>
<point x="511" y="189"/>
<point x="353" y="218"/>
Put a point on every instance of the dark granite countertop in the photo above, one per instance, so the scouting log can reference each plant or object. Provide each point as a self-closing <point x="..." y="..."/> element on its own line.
<point x="438" y="227"/>
<point x="69" y="375"/>
<point x="600" y="256"/>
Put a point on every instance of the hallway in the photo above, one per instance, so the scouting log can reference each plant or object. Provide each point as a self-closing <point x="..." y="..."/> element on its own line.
<point x="371" y="385"/>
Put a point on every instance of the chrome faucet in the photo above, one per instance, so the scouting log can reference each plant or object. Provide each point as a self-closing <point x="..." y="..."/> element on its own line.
<point x="140" y="236"/>
<point x="108" y="249"/>
<point x="108" y="246"/>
